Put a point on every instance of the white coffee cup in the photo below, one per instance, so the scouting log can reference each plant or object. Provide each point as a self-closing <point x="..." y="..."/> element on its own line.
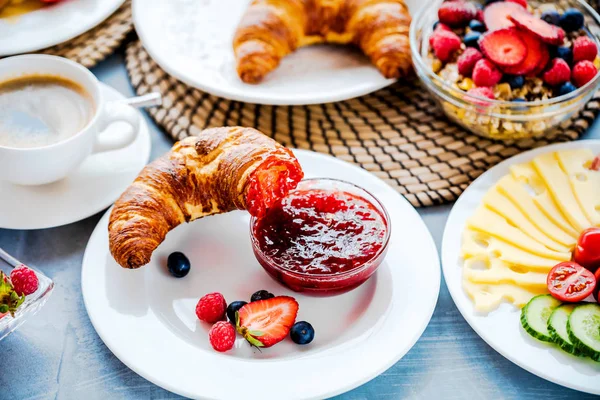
<point x="41" y="165"/>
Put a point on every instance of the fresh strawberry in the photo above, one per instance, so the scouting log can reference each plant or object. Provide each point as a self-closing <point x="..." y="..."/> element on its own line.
<point x="584" y="48"/>
<point x="583" y="72"/>
<point x="211" y="308"/>
<point x="222" y="336"/>
<point x="548" y="33"/>
<point x="264" y="323"/>
<point x="482" y="92"/>
<point x="9" y="299"/>
<point x="535" y="54"/>
<point x="559" y="72"/>
<point x="503" y="47"/>
<point x="24" y="280"/>
<point x="445" y="44"/>
<point x="485" y="73"/>
<point x="496" y="15"/>
<point x="457" y="13"/>
<point x="466" y="61"/>
<point x="522" y="3"/>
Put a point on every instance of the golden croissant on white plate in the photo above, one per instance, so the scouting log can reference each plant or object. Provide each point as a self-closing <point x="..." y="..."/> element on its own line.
<point x="272" y="29"/>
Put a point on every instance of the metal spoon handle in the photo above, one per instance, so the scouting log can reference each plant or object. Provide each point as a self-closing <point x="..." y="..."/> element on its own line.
<point x="147" y="100"/>
<point x="9" y="259"/>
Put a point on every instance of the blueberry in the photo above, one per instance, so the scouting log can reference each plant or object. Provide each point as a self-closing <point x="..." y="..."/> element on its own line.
<point x="261" y="295"/>
<point x="302" y="333"/>
<point x="471" y="39"/>
<point x="476" y="26"/>
<point x="178" y="264"/>
<point x="551" y="17"/>
<point x="233" y="308"/>
<point x="515" y="81"/>
<point x="565" y="88"/>
<point x="565" y="53"/>
<point x="571" y="20"/>
<point x="519" y="100"/>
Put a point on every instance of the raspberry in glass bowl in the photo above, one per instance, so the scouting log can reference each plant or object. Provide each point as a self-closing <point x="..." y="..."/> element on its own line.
<point x="327" y="237"/>
<point x="508" y="69"/>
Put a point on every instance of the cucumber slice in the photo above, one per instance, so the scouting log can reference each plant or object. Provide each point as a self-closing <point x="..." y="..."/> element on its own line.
<point x="584" y="329"/>
<point x="535" y="315"/>
<point x="557" y="326"/>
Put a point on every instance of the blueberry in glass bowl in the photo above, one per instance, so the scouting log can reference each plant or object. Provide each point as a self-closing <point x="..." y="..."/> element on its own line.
<point x="534" y="68"/>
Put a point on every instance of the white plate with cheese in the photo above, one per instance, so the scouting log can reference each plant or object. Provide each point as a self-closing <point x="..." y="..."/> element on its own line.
<point x="499" y="224"/>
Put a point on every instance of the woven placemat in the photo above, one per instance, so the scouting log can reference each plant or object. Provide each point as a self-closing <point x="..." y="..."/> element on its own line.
<point x="397" y="133"/>
<point x="98" y="43"/>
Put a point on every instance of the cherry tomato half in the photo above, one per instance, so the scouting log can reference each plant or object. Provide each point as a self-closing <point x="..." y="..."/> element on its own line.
<point x="597" y="289"/>
<point x="570" y="282"/>
<point x="587" y="251"/>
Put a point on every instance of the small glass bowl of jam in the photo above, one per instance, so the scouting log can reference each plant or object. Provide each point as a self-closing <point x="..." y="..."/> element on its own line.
<point x="326" y="237"/>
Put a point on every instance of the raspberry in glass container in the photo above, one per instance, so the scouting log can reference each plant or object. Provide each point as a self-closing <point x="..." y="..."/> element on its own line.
<point x="325" y="236"/>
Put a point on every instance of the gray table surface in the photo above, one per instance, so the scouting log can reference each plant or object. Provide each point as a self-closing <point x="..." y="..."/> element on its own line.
<point x="58" y="355"/>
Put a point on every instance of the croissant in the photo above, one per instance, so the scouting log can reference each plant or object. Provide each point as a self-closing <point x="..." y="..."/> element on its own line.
<point x="272" y="29"/>
<point x="220" y="170"/>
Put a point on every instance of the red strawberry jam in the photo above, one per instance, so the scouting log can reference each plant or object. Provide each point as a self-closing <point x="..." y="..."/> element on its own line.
<point x="320" y="232"/>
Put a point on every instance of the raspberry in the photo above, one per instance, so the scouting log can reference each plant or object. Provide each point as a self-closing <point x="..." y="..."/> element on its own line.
<point x="24" y="280"/>
<point x="222" y="336"/>
<point x="457" y="13"/>
<point x="522" y="3"/>
<point x="559" y="72"/>
<point x="445" y="44"/>
<point x="583" y="72"/>
<point x="584" y="48"/>
<point x="439" y="27"/>
<point x="211" y="308"/>
<point x="485" y="73"/>
<point x="466" y="61"/>
<point x="482" y="92"/>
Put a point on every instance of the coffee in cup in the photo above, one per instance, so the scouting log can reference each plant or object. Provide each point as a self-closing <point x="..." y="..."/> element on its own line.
<point x="41" y="110"/>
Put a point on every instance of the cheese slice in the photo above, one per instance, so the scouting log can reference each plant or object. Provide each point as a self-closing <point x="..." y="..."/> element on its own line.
<point x="478" y="244"/>
<point x="486" y="297"/>
<point x="486" y="220"/>
<point x="497" y="202"/>
<point x="560" y="188"/>
<point x="529" y="178"/>
<point x="515" y="191"/>
<point x="585" y="183"/>
<point x="495" y="271"/>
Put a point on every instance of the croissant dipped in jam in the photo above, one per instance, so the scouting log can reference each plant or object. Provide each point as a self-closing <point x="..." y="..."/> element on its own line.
<point x="272" y="29"/>
<point x="220" y="170"/>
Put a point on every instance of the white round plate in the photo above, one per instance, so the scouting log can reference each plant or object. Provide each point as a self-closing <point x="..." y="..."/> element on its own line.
<point x="147" y="318"/>
<point x="95" y="185"/>
<point x="192" y="41"/>
<point x="501" y="328"/>
<point x="52" y="25"/>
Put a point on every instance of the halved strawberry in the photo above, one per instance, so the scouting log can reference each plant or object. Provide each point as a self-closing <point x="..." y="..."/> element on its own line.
<point x="549" y="33"/>
<point x="535" y="54"/>
<point x="264" y="323"/>
<point x="544" y="60"/>
<point x="503" y="47"/>
<point x="495" y="16"/>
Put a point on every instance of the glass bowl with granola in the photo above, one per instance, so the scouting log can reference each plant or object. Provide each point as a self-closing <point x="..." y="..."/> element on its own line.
<point x="508" y="69"/>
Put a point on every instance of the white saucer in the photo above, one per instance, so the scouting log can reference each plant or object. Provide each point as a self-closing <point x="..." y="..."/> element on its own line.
<point x="192" y="41"/>
<point x="146" y="317"/>
<point x="97" y="183"/>
<point x="501" y="328"/>
<point x="52" y="25"/>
